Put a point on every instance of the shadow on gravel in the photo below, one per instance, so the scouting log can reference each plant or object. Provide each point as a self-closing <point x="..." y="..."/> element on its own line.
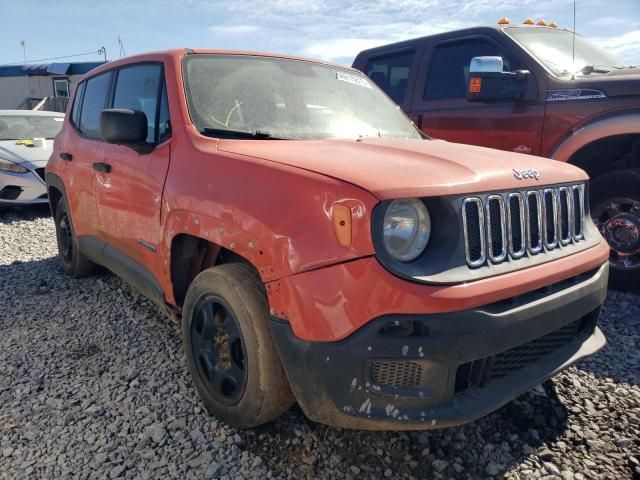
<point x="9" y="215"/>
<point x="293" y="446"/>
<point x="532" y="425"/>
<point x="493" y="444"/>
<point x="620" y="323"/>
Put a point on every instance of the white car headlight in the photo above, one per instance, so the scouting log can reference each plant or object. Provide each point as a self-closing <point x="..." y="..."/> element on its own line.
<point x="406" y="229"/>
<point x="9" y="166"/>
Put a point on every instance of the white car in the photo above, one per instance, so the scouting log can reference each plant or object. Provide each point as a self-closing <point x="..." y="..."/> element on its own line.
<point x="26" y="141"/>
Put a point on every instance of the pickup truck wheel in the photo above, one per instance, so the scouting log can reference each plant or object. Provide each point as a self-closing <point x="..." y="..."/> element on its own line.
<point x="73" y="262"/>
<point x="615" y="208"/>
<point x="229" y="349"/>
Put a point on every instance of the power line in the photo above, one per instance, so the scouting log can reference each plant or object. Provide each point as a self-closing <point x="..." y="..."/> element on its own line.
<point x="98" y="52"/>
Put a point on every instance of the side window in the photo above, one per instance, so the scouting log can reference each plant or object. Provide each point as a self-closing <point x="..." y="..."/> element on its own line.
<point x="391" y="73"/>
<point x="164" y="119"/>
<point x="449" y="68"/>
<point x="95" y="99"/>
<point x="77" y="102"/>
<point x="137" y="89"/>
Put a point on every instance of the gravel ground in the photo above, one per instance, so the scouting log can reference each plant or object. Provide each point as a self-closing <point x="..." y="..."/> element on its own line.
<point x="93" y="385"/>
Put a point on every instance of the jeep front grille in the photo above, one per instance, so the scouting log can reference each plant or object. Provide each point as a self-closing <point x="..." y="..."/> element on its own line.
<point x="513" y="225"/>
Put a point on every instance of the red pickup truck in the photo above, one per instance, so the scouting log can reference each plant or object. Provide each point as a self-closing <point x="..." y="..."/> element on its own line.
<point x="535" y="99"/>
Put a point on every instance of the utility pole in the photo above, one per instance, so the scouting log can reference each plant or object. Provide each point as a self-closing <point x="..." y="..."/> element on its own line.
<point x="122" y="52"/>
<point x="103" y="51"/>
<point x="23" y="44"/>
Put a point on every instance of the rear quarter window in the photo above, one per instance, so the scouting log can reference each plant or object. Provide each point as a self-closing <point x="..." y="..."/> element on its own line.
<point x="77" y="104"/>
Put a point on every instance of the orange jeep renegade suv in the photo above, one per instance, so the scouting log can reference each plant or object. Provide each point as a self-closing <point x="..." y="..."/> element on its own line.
<point x="317" y="247"/>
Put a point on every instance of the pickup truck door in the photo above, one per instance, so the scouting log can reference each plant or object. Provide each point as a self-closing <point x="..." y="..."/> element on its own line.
<point x="441" y="110"/>
<point x="130" y="183"/>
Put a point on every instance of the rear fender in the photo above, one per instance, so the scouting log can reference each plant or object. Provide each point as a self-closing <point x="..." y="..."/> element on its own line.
<point x="596" y="128"/>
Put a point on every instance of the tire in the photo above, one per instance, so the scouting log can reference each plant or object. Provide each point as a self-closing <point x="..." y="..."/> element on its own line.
<point x="72" y="260"/>
<point x="615" y="208"/>
<point x="229" y="350"/>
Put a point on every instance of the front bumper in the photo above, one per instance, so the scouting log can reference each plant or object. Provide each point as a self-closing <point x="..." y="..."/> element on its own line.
<point x="23" y="188"/>
<point x="406" y="372"/>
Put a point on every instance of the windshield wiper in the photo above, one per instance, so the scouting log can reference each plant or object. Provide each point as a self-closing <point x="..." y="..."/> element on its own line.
<point x="587" y="69"/>
<point x="224" y="133"/>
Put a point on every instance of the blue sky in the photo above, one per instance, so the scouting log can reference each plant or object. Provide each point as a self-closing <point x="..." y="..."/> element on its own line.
<point x="330" y="30"/>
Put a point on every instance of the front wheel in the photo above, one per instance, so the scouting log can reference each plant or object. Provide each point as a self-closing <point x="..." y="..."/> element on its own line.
<point x="229" y="349"/>
<point x="615" y="209"/>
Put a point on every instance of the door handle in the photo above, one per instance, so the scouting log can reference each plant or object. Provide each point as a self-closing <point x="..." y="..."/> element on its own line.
<point x="66" y="156"/>
<point x="102" y="167"/>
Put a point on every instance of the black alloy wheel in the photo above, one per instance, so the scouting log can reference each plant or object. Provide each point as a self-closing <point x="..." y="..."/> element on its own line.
<point x="219" y="349"/>
<point x="65" y="236"/>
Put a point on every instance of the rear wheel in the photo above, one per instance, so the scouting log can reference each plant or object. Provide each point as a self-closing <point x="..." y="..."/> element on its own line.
<point x="615" y="208"/>
<point x="229" y="350"/>
<point x="72" y="260"/>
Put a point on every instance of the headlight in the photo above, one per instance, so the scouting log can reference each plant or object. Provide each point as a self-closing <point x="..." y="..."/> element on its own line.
<point x="9" y="166"/>
<point x="406" y="229"/>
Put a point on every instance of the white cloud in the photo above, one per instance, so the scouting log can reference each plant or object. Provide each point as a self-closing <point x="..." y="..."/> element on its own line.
<point x="233" y="29"/>
<point x="337" y="30"/>
<point x="341" y="47"/>
<point x="608" y="22"/>
<point x="625" y="46"/>
<point x="369" y="36"/>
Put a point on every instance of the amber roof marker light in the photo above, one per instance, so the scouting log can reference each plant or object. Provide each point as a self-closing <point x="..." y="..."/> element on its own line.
<point x="503" y="21"/>
<point x="529" y="21"/>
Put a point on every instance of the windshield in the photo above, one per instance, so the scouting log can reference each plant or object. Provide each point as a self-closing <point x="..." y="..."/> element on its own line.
<point x="287" y="99"/>
<point x="24" y="127"/>
<point x="553" y="48"/>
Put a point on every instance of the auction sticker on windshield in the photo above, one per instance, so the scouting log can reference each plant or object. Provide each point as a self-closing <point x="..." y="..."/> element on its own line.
<point x="349" y="78"/>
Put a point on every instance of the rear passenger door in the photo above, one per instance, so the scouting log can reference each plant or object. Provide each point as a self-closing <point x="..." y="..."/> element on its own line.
<point x="129" y="194"/>
<point x="80" y="149"/>
<point x="391" y="72"/>
<point x="442" y="111"/>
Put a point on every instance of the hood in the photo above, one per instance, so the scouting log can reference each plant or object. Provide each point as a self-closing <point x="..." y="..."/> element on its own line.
<point x="396" y="168"/>
<point x="617" y="83"/>
<point x="23" y="154"/>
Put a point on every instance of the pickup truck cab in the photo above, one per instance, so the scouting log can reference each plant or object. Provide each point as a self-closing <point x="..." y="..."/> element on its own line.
<point x="316" y="247"/>
<point x="584" y="112"/>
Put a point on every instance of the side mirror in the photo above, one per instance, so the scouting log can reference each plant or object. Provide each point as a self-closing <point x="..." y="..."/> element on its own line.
<point x="489" y="83"/>
<point x="124" y="127"/>
<point x="486" y="64"/>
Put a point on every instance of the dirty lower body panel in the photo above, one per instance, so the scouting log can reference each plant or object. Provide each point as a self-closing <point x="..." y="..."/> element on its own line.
<point x="438" y="370"/>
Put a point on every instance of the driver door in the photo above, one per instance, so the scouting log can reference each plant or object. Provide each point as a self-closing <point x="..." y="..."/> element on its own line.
<point x="443" y="111"/>
<point x="130" y="185"/>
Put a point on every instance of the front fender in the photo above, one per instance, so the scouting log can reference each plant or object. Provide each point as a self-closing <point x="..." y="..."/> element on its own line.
<point x="277" y="217"/>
